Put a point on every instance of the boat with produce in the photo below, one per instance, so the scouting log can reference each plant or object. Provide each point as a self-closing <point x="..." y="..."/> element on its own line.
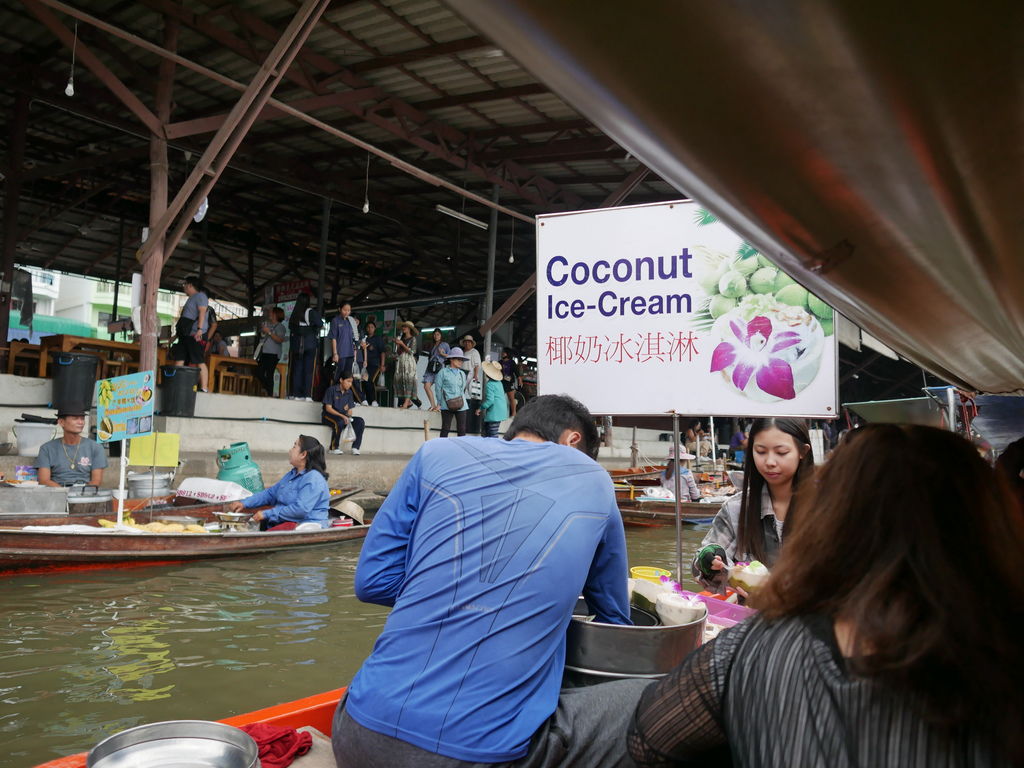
<point x="163" y="534"/>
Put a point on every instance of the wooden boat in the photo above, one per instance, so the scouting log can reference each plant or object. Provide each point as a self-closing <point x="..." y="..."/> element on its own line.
<point x="316" y="711"/>
<point x="60" y="550"/>
<point x="635" y="473"/>
<point x="658" y="512"/>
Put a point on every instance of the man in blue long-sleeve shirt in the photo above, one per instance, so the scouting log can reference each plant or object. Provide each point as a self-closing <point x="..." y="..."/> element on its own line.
<point x="483" y="547"/>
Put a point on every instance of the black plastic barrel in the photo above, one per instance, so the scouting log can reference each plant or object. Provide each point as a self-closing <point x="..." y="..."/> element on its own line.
<point x="178" y="390"/>
<point x="74" y="379"/>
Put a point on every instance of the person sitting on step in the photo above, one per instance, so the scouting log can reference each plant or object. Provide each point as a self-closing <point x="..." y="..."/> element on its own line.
<point x="339" y="402"/>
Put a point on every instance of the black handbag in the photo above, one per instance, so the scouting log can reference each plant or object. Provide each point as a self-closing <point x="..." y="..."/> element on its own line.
<point x="433" y="365"/>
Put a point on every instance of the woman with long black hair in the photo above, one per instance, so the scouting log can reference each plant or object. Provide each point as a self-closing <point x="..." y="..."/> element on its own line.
<point x="301" y="496"/>
<point x="751" y="525"/>
<point x="889" y="631"/>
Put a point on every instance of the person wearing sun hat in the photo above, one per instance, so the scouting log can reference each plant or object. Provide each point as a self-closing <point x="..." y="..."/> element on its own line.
<point x="71" y="459"/>
<point x="406" y="346"/>
<point x="494" y="407"/>
<point x="687" y="484"/>
<point x="450" y="385"/>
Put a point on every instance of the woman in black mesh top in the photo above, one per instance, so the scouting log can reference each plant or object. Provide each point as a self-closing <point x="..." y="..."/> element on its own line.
<point x="878" y="644"/>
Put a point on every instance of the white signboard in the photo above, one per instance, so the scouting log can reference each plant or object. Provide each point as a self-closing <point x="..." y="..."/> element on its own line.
<point x="657" y="308"/>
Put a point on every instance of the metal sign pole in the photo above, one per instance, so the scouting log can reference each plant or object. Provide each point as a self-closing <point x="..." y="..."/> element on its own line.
<point x="714" y="445"/>
<point x="120" y="485"/>
<point x="678" y="492"/>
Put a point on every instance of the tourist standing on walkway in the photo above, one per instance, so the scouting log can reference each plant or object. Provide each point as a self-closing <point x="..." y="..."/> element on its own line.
<point x="304" y="325"/>
<point x="451" y="392"/>
<point x="374" y="354"/>
<point x="889" y="630"/>
<point x="191" y="325"/>
<point x="406" y="347"/>
<point x="339" y="403"/>
<point x="494" y="408"/>
<point x="343" y="336"/>
<point x="511" y="379"/>
<point x="439" y="351"/>
<point x="751" y="524"/>
<point x="482" y="547"/>
<point x="474" y="383"/>
<point x="71" y="459"/>
<point x="274" y="332"/>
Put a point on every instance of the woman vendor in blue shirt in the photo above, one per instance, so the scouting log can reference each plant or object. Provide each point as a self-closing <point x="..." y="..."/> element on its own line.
<point x="301" y="496"/>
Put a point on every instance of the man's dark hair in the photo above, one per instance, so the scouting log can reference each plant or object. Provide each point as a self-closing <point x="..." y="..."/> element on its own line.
<point x="549" y="416"/>
<point x="193" y="280"/>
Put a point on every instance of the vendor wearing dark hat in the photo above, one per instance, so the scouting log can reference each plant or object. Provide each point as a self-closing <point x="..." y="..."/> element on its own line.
<point x="71" y="459"/>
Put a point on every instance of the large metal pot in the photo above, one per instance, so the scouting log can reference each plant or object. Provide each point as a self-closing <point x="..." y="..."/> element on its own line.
<point x="597" y="652"/>
<point x="177" y="743"/>
<point x="89" y="500"/>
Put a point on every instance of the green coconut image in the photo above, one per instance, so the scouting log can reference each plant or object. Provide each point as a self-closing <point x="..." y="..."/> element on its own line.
<point x="732" y="284"/>
<point x="763" y="280"/>
<point x="719" y="305"/>
<point x="794" y="295"/>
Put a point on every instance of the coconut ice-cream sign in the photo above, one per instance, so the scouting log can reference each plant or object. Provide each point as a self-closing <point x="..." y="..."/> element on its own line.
<point x="651" y="309"/>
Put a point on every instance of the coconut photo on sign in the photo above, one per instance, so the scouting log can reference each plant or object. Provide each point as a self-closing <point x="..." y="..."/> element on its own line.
<point x="656" y="308"/>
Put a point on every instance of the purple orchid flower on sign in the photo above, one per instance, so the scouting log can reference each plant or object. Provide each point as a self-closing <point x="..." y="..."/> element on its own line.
<point x="755" y="354"/>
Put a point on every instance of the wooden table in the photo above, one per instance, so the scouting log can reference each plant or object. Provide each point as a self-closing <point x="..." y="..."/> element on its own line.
<point x="215" y="361"/>
<point x="65" y="343"/>
<point x="105" y="347"/>
<point x="20" y="348"/>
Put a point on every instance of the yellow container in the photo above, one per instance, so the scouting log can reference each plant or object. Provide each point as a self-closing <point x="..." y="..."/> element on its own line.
<point x="649" y="574"/>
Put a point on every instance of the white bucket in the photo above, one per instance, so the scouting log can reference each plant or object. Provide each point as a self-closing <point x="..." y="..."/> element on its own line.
<point x="32" y="436"/>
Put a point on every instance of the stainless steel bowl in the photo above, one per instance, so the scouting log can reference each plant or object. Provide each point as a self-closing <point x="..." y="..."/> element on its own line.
<point x="176" y="744"/>
<point x="612" y="651"/>
<point x="233" y="517"/>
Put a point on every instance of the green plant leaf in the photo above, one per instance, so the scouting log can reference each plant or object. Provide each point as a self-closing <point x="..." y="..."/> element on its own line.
<point x="702" y="320"/>
<point x="746" y="250"/>
<point x="703" y="217"/>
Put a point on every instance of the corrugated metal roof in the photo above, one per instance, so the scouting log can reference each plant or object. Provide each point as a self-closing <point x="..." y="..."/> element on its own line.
<point x="430" y="90"/>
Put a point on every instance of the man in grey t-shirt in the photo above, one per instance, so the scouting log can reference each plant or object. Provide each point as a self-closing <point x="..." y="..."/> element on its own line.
<point x="71" y="459"/>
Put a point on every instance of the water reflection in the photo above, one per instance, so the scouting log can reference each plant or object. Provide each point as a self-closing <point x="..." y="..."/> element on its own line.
<point x="86" y="655"/>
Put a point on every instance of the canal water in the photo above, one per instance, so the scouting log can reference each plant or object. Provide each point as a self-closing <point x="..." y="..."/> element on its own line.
<point x="87" y="654"/>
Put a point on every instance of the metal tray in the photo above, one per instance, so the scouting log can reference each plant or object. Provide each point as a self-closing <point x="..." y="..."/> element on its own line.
<point x="177" y="744"/>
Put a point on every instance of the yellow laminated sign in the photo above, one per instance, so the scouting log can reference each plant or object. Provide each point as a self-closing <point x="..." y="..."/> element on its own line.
<point x="158" y="449"/>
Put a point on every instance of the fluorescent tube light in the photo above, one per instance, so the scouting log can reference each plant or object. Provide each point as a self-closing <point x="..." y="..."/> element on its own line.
<point x="460" y="216"/>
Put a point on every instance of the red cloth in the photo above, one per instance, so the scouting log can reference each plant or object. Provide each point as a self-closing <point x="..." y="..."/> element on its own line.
<point x="289" y="526"/>
<point x="278" y="746"/>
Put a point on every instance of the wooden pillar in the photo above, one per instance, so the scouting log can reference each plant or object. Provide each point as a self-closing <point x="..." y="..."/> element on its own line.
<point x="12" y="193"/>
<point x="152" y="267"/>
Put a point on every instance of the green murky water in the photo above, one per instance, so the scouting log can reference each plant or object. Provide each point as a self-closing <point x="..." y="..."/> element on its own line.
<point x="84" y="655"/>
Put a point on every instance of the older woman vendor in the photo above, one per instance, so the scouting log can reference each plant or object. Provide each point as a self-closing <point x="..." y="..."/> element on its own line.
<point x="301" y="496"/>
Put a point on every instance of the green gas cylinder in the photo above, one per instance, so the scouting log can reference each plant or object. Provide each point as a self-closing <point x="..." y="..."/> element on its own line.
<point x="237" y="466"/>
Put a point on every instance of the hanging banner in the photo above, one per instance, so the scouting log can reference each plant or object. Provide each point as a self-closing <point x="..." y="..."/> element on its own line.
<point x="124" y="406"/>
<point x="657" y="308"/>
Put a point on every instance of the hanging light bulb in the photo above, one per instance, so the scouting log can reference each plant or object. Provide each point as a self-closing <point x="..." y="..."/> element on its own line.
<point x="512" y="245"/>
<point x="69" y="89"/>
<point x="366" y="190"/>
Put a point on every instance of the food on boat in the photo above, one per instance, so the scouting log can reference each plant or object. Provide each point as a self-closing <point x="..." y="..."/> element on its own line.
<point x="748" y="576"/>
<point x="673" y="608"/>
<point x="194" y="528"/>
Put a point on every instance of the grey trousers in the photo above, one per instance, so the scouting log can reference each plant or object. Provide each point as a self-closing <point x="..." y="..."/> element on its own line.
<point x="588" y="729"/>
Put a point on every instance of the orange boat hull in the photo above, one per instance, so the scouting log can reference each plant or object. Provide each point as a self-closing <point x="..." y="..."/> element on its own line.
<point x="316" y="711"/>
